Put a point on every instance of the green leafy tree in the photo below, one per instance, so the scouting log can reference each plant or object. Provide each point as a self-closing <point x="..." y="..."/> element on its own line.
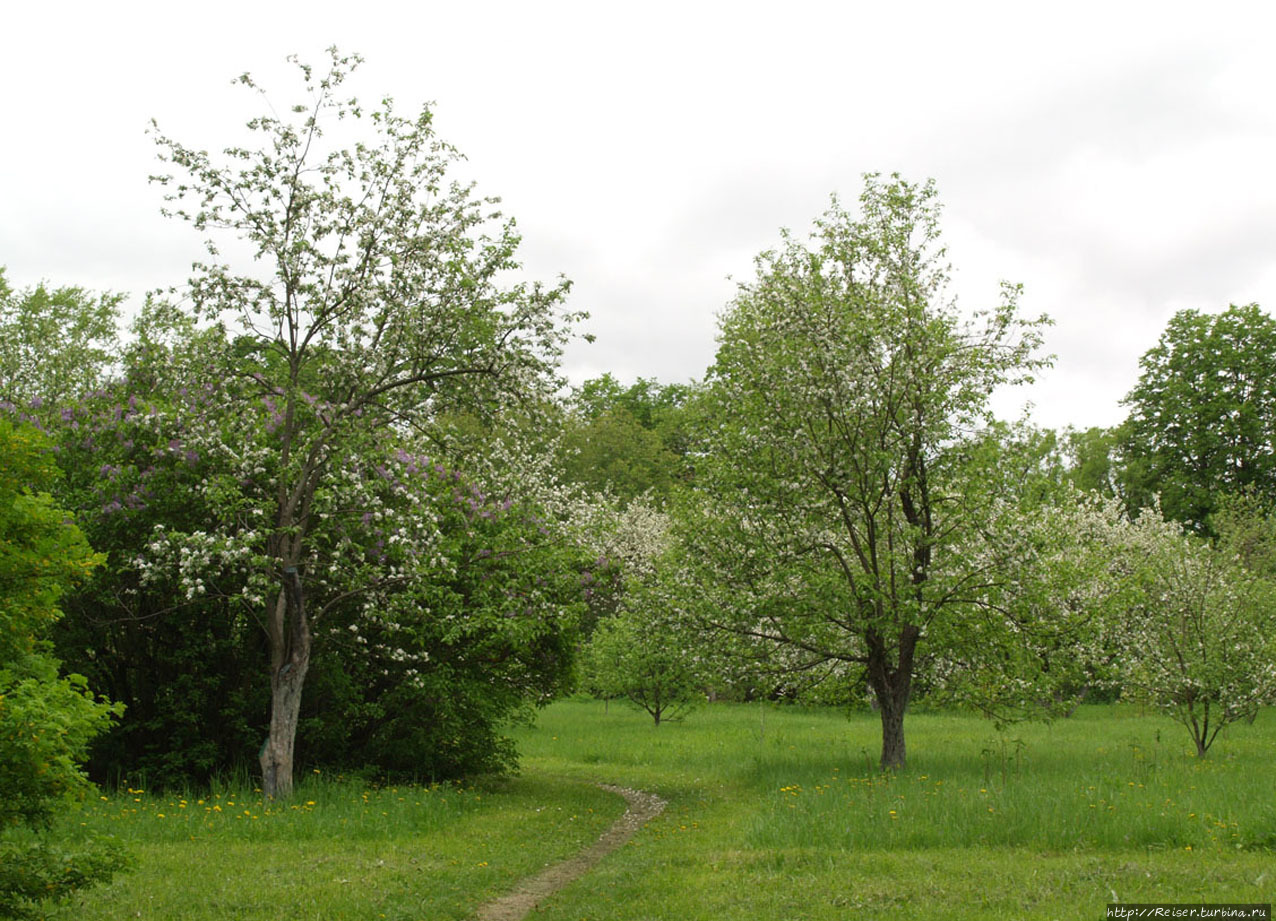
<point x="383" y="300"/>
<point x="46" y="720"/>
<point x="1091" y="460"/>
<point x="1203" y="415"/>
<point x="614" y="452"/>
<point x="843" y="499"/>
<point x="627" y="440"/>
<point x="55" y="344"/>
<point x="642" y="655"/>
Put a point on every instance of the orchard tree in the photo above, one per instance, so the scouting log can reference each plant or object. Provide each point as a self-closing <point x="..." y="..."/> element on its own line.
<point x="1203" y="415"/>
<point x="843" y="495"/>
<point x="379" y="296"/>
<point x="643" y="651"/>
<point x="637" y="655"/>
<point x="1199" y="643"/>
<point x="1189" y="623"/>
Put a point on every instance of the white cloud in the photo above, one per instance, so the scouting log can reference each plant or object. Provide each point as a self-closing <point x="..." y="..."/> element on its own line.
<point x="1115" y="158"/>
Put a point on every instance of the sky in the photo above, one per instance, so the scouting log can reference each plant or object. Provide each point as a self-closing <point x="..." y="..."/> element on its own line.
<point x="1116" y="159"/>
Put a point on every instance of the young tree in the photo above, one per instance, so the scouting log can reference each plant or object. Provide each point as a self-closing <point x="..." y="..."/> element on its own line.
<point x="840" y="495"/>
<point x="1189" y="623"/>
<point x="637" y="655"/>
<point x="384" y="298"/>
<point x="1199" y="643"/>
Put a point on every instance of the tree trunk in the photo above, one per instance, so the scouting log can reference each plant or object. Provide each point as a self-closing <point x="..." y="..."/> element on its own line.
<point x="893" y="750"/>
<point x="892" y="688"/>
<point x="289" y="662"/>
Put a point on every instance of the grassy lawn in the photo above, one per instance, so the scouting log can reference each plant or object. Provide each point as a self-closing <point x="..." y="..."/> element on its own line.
<point x="339" y="850"/>
<point x="774" y="813"/>
<point x="780" y="813"/>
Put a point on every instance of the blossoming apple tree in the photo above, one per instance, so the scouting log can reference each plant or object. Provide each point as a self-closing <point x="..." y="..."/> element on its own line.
<point x="839" y="493"/>
<point x="379" y="297"/>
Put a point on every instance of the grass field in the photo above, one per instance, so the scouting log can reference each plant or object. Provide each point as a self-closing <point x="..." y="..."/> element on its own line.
<point x="339" y="850"/>
<point x="774" y="813"/>
<point x="780" y="813"/>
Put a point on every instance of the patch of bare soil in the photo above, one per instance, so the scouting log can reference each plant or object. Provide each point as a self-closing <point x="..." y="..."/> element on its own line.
<point x="643" y="807"/>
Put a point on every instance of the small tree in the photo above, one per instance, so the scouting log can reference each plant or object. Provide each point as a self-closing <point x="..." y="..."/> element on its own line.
<point x="637" y="655"/>
<point x="1198" y="642"/>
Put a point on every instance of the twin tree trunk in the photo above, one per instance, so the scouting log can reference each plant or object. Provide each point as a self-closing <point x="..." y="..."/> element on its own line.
<point x="892" y="687"/>
<point x="289" y="632"/>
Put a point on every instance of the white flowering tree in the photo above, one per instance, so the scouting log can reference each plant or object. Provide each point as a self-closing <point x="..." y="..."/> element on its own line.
<point x="643" y="650"/>
<point x="379" y="296"/>
<point x="1169" y="618"/>
<point x="1197" y="639"/>
<point x="840" y="497"/>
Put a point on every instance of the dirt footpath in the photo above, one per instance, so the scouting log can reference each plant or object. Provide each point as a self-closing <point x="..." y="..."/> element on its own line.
<point x="643" y="807"/>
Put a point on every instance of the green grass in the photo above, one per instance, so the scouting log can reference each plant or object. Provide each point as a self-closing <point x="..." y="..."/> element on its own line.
<point x="781" y="813"/>
<point x="338" y="850"/>
<point x="774" y="813"/>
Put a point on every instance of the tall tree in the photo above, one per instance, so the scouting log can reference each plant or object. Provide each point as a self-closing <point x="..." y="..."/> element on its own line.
<point x="1203" y="415"/>
<point x="383" y="298"/>
<point x="844" y="496"/>
<point x="628" y="440"/>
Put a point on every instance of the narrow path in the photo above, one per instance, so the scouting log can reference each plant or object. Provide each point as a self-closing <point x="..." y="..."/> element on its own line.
<point x="643" y="807"/>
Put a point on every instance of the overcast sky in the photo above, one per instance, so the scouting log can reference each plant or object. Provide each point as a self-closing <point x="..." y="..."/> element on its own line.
<point x="1117" y="159"/>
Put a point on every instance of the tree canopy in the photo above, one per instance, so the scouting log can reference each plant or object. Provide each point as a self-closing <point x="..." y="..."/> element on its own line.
<point x="1203" y="415"/>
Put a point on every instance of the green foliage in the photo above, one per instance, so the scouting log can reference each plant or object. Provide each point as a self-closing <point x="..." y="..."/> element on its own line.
<point x="385" y="304"/>
<point x="613" y="452"/>
<point x="46" y="721"/>
<point x="188" y="669"/>
<point x="844" y="501"/>
<point x="1177" y="622"/>
<point x="1203" y="414"/>
<point x="643" y="656"/>
<point x="54" y="344"/>
<point x="1201" y="641"/>
<point x="1092" y="465"/>
<point x="627" y="440"/>
<point x="33" y="875"/>
<point x="426" y="687"/>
